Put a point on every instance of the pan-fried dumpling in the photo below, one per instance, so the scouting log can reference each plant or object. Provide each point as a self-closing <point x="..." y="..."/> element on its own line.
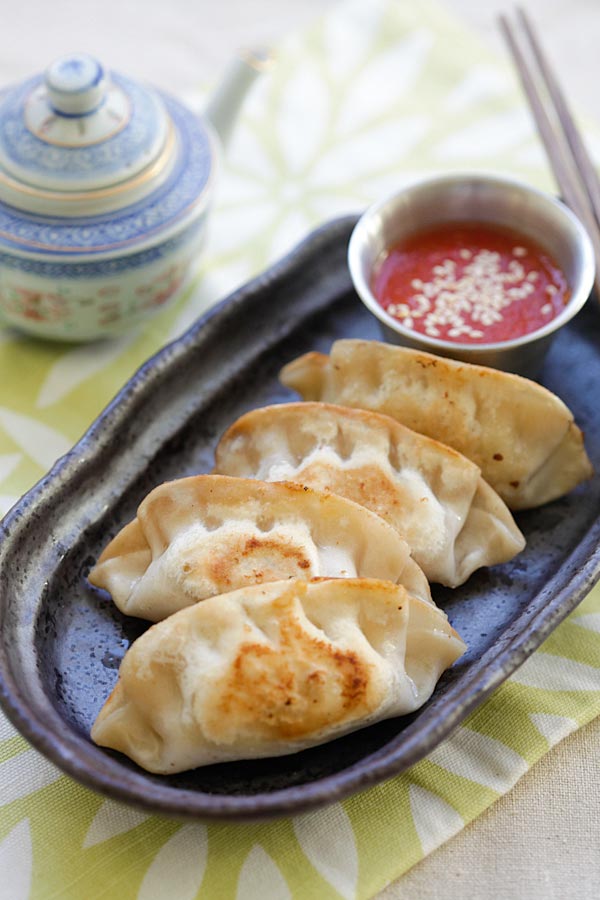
<point x="208" y="534"/>
<point x="272" y="669"/>
<point x="451" y="519"/>
<point x="522" y="437"/>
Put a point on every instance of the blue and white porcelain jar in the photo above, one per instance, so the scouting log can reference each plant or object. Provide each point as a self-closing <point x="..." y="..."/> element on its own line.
<point x="104" y="191"/>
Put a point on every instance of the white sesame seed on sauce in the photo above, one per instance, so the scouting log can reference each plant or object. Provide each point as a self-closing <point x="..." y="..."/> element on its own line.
<point x="471" y="282"/>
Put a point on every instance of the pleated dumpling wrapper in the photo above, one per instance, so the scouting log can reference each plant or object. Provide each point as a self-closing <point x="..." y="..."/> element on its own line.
<point x="273" y="669"/>
<point x="436" y="498"/>
<point x="209" y="534"/>
<point x="522" y="436"/>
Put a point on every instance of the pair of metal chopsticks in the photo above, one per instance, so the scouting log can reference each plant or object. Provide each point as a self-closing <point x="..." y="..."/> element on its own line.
<point x="567" y="154"/>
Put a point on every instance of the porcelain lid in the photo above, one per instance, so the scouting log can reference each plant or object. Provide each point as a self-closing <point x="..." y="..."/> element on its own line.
<point x="89" y="160"/>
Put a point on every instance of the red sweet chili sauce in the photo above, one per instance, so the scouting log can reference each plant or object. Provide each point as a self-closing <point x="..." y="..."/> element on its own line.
<point x="470" y="282"/>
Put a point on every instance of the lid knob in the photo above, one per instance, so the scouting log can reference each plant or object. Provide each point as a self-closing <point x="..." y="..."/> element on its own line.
<point x="76" y="85"/>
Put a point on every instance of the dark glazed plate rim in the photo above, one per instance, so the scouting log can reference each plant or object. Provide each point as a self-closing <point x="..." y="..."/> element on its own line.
<point x="73" y="752"/>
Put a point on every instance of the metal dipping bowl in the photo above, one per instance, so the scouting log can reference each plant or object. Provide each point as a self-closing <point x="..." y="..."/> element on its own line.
<point x="475" y="198"/>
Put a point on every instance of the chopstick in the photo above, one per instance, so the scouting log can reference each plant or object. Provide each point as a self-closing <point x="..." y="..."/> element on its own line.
<point x="568" y="157"/>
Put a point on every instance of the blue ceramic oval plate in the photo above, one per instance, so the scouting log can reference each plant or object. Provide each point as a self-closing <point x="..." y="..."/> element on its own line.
<point x="62" y="641"/>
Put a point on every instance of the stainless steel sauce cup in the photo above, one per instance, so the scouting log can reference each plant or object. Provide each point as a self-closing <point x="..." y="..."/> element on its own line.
<point x="475" y="198"/>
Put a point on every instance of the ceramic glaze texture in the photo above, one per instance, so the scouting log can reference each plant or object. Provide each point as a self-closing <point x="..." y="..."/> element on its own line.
<point x="104" y="192"/>
<point x="34" y="148"/>
<point x="180" y="197"/>
<point x="95" y="298"/>
<point x="63" y="640"/>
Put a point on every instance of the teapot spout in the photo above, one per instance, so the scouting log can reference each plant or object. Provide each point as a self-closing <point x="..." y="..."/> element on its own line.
<point x="223" y="109"/>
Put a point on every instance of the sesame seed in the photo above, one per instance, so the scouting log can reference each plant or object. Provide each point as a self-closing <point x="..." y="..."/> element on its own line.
<point x="463" y="296"/>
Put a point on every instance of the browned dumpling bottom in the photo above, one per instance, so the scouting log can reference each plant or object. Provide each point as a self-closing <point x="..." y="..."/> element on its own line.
<point x="272" y="669"/>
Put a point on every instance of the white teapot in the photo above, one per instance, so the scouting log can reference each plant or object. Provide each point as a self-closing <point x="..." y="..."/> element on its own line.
<point x="105" y="186"/>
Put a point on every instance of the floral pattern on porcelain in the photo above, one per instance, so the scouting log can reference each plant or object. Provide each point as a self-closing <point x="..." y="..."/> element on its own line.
<point x="24" y="150"/>
<point x="103" y="306"/>
<point x="183" y="190"/>
<point x="82" y="301"/>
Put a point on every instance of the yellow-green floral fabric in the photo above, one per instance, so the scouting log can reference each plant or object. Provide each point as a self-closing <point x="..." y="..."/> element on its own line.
<point x="372" y="95"/>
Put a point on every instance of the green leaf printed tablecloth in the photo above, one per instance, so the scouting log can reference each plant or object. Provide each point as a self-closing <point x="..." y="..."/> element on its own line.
<point x="372" y="95"/>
